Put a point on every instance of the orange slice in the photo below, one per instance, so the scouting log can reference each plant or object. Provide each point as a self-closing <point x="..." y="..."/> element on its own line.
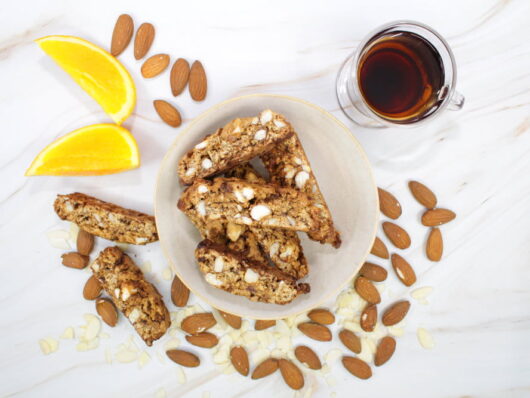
<point x="96" y="71"/>
<point x="92" y="150"/>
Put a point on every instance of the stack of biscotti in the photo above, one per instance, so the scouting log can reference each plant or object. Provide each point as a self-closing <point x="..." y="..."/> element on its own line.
<point x="249" y="224"/>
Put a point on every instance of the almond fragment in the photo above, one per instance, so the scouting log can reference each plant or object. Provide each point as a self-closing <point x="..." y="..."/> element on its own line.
<point x="315" y="331"/>
<point x="373" y="272"/>
<point x="168" y="113"/>
<point x="239" y="358"/>
<point x="435" y="245"/>
<point x="350" y="340"/>
<point x="183" y="358"/>
<point x="75" y="260"/>
<point x="436" y="217"/>
<point x="403" y="270"/>
<point x="92" y="289"/>
<point x="292" y="376"/>
<point x="262" y="325"/>
<point x="396" y="312"/>
<point x="357" y="367"/>
<point x="388" y="204"/>
<point x="266" y="368"/>
<point x="154" y="65"/>
<point x="198" y="323"/>
<point x="385" y="350"/>
<point x="397" y="235"/>
<point x="122" y="34"/>
<point x="204" y="340"/>
<point x="85" y="242"/>
<point x="369" y="318"/>
<point x="197" y="84"/>
<point x="367" y="290"/>
<point x="143" y="40"/>
<point x="379" y="248"/>
<point x="106" y="310"/>
<point x="308" y="357"/>
<point x="322" y="316"/>
<point x="179" y="292"/>
<point x="422" y="194"/>
<point x="178" y="78"/>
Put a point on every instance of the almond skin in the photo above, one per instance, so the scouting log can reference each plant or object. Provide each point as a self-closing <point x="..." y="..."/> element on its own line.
<point x="350" y="340"/>
<point x="369" y="318"/>
<point x="92" y="289"/>
<point x="292" y="376"/>
<point x="436" y="217"/>
<point x="75" y="260"/>
<point x="178" y="78"/>
<point x="435" y="245"/>
<point x="85" y="242"/>
<point x="262" y="325"/>
<point x="183" y="358"/>
<point x="395" y="313"/>
<point x="385" y="350"/>
<point x="367" y="290"/>
<point x="204" y="340"/>
<point x="122" y="34"/>
<point x="154" y="65"/>
<point x="266" y="368"/>
<point x="403" y="270"/>
<point x="106" y="310"/>
<point x="308" y="357"/>
<point x="388" y="204"/>
<point x="179" y="292"/>
<point x="232" y="320"/>
<point x="373" y="272"/>
<point x="168" y="113"/>
<point x="315" y="331"/>
<point x="197" y="83"/>
<point x="423" y="195"/>
<point x="357" y="367"/>
<point x="397" y="235"/>
<point x="379" y="249"/>
<point x="322" y="316"/>
<point x="239" y="358"/>
<point x="198" y="323"/>
<point x="143" y="40"/>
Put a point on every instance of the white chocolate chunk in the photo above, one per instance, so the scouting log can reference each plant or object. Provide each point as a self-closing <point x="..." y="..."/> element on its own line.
<point x="134" y="315"/>
<point x="260" y="211"/>
<point x="201" y="208"/>
<point x="248" y="193"/>
<point x="266" y="116"/>
<point x="190" y="171"/>
<point x="279" y="124"/>
<point x="301" y="178"/>
<point x="251" y="276"/>
<point x="212" y="280"/>
<point x="273" y="250"/>
<point x="206" y="163"/>
<point x="202" y="189"/>
<point x="218" y="264"/>
<point x="201" y="145"/>
<point x="260" y="135"/>
<point x="425" y="338"/>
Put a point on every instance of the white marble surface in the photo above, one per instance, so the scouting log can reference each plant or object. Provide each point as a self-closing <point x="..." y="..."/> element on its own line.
<point x="477" y="161"/>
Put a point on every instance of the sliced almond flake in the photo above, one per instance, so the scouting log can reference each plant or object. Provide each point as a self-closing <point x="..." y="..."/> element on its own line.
<point x="197" y="309"/>
<point x="59" y="239"/>
<point x="167" y="274"/>
<point x="325" y="369"/>
<point x="181" y="376"/>
<point x="93" y="327"/>
<point x="131" y="345"/>
<point x="123" y="246"/>
<point x="219" y="319"/>
<point x="284" y="343"/>
<point x="423" y="302"/>
<point x="332" y="355"/>
<point x="425" y="338"/>
<point x="421" y="292"/>
<point x="276" y="353"/>
<point x="395" y="331"/>
<point x="259" y="355"/>
<point x="345" y="312"/>
<point x="173" y="332"/>
<point x="282" y="328"/>
<point x="161" y="393"/>
<point x="222" y="355"/>
<point x="245" y="325"/>
<point x="250" y="337"/>
<point x="104" y="335"/>
<point x="68" y="333"/>
<point x="264" y="339"/>
<point x="332" y="382"/>
<point x="126" y="356"/>
<point x="143" y="359"/>
<point x="108" y="356"/>
<point x="146" y="267"/>
<point x="161" y="358"/>
<point x="82" y="346"/>
<point x="171" y="344"/>
<point x="371" y="345"/>
<point x="44" y="346"/>
<point x="93" y="344"/>
<point x="226" y="340"/>
<point x="74" y="231"/>
<point x="229" y="369"/>
<point x="353" y="326"/>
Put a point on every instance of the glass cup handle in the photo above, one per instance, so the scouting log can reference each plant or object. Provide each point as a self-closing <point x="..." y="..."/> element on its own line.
<point x="456" y="102"/>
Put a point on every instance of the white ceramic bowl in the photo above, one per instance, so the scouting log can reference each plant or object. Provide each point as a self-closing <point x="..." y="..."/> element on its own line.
<point x="344" y="175"/>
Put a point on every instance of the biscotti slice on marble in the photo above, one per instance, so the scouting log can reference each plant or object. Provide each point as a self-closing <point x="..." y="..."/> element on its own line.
<point x="253" y="204"/>
<point x="230" y="271"/>
<point x="106" y="220"/>
<point x="136" y="298"/>
<point x="289" y="166"/>
<point x="237" y="142"/>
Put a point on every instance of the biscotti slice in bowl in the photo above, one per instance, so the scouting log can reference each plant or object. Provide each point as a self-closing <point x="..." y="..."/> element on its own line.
<point x="106" y="220"/>
<point x="230" y="271"/>
<point x="235" y="143"/>
<point x="136" y="298"/>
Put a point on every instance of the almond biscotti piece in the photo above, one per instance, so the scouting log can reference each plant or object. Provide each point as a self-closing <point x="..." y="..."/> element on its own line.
<point x="252" y="204"/>
<point x="228" y="270"/>
<point x="289" y="166"/>
<point x="106" y="220"/>
<point x="237" y="142"/>
<point x="136" y="298"/>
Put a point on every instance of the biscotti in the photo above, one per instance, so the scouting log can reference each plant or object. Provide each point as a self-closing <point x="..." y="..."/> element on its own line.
<point x="289" y="166"/>
<point x="136" y="298"/>
<point x="236" y="143"/>
<point x="230" y="271"/>
<point x="106" y="220"/>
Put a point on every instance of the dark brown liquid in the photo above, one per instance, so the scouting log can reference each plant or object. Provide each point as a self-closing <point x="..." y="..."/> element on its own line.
<point x="400" y="76"/>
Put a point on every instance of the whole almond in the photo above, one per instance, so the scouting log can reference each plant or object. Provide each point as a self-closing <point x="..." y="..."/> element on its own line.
<point x="350" y="340"/>
<point x="197" y="84"/>
<point x="178" y="78"/>
<point x="155" y="65"/>
<point x="422" y="194"/>
<point x="267" y="367"/>
<point x="396" y="312"/>
<point x="397" y="235"/>
<point x="322" y="316"/>
<point x="388" y="204"/>
<point x="308" y="357"/>
<point x="436" y="217"/>
<point x="122" y="34"/>
<point x="357" y="367"/>
<point x="373" y="272"/>
<point x="262" y="325"/>
<point x="92" y="289"/>
<point x="106" y="310"/>
<point x="85" y="242"/>
<point x="239" y="358"/>
<point x="367" y="290"/>
<point x="385" y="350"/>
<point x="379" y="248"/>
<point x="232" y="320"/>
<point x="168" y="113"/>
<point x="435" y="245"/>
<point x="204" y="340"/>
<point x="75" y="260"/>
<point x="403" y="270"/>
<point x="315" y="331"/>
<point x="369" y="318"/>
<point x="292" y="376"/>
<point x="179" y="292"/>
<point x="143" y="40"/>
<point x="183" y="358"/>
<point x="198" y="323"/>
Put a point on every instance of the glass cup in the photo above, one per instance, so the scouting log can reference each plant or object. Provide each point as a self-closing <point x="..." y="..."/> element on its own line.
<point x="350" y="95"/>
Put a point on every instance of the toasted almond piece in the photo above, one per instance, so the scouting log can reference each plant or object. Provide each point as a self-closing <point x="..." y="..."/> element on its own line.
<point x="267" y="367"/>
<point x="385" y="350"/>
<point x="262" y="325"/>
<point x="122" y="34"/>
<point x="388" y="204"/>
<point x="198" y="323"/>
<point x="435" y="245"/>
<point x="315" y="331"/>
<point x="308" y="357"/>
<point x="92" y="289"/>
<point x="106" y="310"/>
<point x="168" y="113"/>
<point x="204" y="339"/>
<point x="232" y="320"/>
<point x="397" y="235"/>
<point x="183" y="358"/>
<point x="75" y="260"/>
<point x="239" y="358"/>
<point x="403" y="270"/>
<point x="357" y="367"/>
<point x="422" y="194"/>
<point x="85" y="242"/>
<point x="436" y="217"/>
<point x="154" y="65"/>
<point x="179" y="292"/>
<point x="367" y="290"/>
<point x="291" y="374"/>
<point x="197" y="84"/>
<point x="369" y="318"/>
<point x="379" y="248"/>
<point x="322" y="316"/>
<point x="350" y="340"/>
<point x="396" y="312"/>
<point x="143" y="40"/>
<point x="178" y="78"/>
<point x="373" y="272"/>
